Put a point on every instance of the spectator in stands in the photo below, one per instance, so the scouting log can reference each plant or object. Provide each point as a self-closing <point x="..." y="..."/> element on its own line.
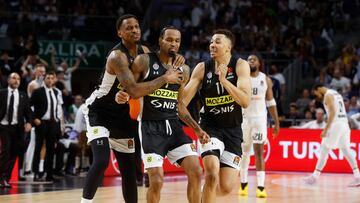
<point x="356" y="78"/>
<point x="28" y="66"/>
<point x="15" y="119"/>
<point x="6" y="64"/>
<point x="277" y="95"/>
<point x="323" y="78"/>
<point x="274" y="72"/>
<point x="355" y="121"/>
<point x="66" y="94"/>
<point x="65" y="71"/>
<point x="354" y="107"/>
<point x="318" y="123"/>
<point x="340" y="83"/>
<point x="294" y="113"/>
<point x="47" y="103"/>
<point x="84" y="153"/>
<point x="303" y="102"/>
<point x="78" y="100"/>
<point x="68" y="143"/>
<point x="3" y="83"/>
<point x="39" y="74"/>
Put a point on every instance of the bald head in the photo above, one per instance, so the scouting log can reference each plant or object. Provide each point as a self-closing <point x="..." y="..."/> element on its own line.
<point x="14" y="80"/>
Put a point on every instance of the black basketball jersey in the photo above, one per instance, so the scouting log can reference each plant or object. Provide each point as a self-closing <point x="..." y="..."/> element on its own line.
<point x="162" y="103"/>
<point x="220" y="109"/>
<point x="102" y="99"/>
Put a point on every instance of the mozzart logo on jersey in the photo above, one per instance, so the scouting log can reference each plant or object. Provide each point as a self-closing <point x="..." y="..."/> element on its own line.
<point x="165" y="94"/>
<point x="214" y="101"/>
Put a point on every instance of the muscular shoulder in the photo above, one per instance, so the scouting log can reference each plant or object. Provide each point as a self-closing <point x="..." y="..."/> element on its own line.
<point x="199" y="71"/>
<point x="268" y="81"/>
<point x="186" y="71"/>
<point x="116" y="59"/>
<point x="242" y="67"/>
<point x="142" y="60"/>
<point x="145" y="48"/>
<point x="242" y="63"/>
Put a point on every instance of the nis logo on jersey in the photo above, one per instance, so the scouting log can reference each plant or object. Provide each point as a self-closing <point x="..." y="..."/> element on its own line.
<point x="164" y="94"/>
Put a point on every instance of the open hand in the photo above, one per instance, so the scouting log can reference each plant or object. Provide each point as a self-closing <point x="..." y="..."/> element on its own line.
<point x="222" y="71"/>
<point x="275" y="132"/>
<point x="203" y="137"/>
<point x="179" y="61"/>
<point x="37" y="121"/>
<point x="27" y="127"/>
<point x="174" y="76"/>
<point x="323" y="134"/>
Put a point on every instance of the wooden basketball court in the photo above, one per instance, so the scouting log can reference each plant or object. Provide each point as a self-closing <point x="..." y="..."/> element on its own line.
<point x="281" y="187"/>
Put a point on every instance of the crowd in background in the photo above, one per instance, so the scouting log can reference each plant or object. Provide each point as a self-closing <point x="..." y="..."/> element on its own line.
<point x="278" y="31"/>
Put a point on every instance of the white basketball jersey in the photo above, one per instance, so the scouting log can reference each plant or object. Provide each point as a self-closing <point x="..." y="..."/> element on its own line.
<point x="340" y="112"/>
<point x="257" y="106"/>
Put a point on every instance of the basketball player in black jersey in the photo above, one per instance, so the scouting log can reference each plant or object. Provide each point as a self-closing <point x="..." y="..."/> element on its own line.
<point x="161" y="130"/>
<point x="105" y="118"/>
<point x="224" y="84"/>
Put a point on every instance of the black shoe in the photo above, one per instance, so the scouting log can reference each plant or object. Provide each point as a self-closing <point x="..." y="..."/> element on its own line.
<point x="140" y="182"/>
<point x="5" y="184"/>
<point x="41" y="174"/>
<point x="59" y="173"/>
<point x="22" y="178"/>
<point x="70" y="173"/>
<point x="37" y="178"/>
<point x="51" y="179"/>
<point x="27" y="173"/>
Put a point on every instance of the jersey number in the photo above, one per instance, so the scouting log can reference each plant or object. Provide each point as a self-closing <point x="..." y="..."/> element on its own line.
<point x="255" y="91"/>
<point x="219" y="88"/>
<point x="258" y="136"/>
<point x="341" y="106"/>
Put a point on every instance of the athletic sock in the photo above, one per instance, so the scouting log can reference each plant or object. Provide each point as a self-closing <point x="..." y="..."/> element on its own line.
<point x="260" y="178"/>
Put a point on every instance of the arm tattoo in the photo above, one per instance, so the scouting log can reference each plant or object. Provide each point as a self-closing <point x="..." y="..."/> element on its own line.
<point x="190" y="122"/>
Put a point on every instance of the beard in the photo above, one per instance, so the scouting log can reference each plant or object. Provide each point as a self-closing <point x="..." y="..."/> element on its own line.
<point x="253" y="69"/>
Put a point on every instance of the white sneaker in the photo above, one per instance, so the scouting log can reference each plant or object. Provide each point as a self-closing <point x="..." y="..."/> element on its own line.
<point x="311" y="180"/>
<point x="355" y="183"/>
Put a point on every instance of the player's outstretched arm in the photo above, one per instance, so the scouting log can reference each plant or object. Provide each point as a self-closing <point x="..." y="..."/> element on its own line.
<point x="242" y="91"/>
<point x="183" y="112"/>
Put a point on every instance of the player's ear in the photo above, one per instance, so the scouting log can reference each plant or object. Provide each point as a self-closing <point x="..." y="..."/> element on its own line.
<point x="160" y="38"/>
<point x="119" y="33"/>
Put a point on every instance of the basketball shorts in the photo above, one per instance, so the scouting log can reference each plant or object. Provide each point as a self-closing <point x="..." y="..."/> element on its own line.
<point x="254" y="130"/>
<point x="164" y="138"/>
<point x="227" y="141"/>
<point x="120" y="131"/>
<point x="338" y="135"/>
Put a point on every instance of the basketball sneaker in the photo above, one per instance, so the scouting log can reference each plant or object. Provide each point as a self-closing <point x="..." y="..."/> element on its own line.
<point x="244" y="189"/>
<point x="261" y="193"/>
<point x="311" y="180"/>
<point x="355" y="183"/>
